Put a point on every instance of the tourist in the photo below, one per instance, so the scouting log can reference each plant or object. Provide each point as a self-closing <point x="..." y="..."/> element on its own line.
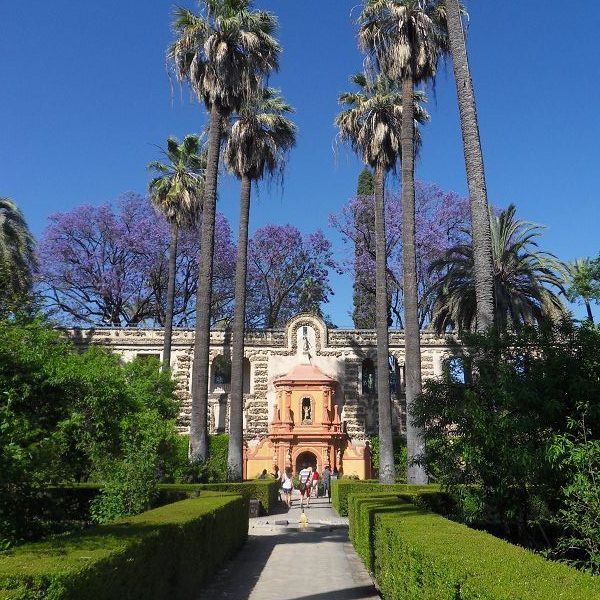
<point x="263" y="475"/>
<point x="315" y="484"/>
<point x="287" y="485"/>
<point x="327" y="482"/>
<point x="305" y="477"/>
<point x="276" y="472"/>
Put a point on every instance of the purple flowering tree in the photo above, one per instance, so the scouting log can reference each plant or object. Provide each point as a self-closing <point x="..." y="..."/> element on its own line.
<point x="107" y="265"/>
<point x="441" y="220"/>
<point x="288" y="273"/>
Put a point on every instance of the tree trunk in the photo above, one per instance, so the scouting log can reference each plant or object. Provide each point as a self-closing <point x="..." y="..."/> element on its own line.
<point x="480" y="216"/>
<point x="199" y="416"/>
<point x="412" y="341"/>
<point x="166" y="361"/>
<point x="588" y="308"/>
<point x="386" y="446"/>
<point x="236" y="397"/>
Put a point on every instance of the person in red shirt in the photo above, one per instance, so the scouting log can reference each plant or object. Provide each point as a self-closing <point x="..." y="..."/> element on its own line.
<point x="315" y="484"/>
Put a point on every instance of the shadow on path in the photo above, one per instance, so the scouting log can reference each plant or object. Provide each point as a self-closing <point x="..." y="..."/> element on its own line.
<point x="280" y="564"/>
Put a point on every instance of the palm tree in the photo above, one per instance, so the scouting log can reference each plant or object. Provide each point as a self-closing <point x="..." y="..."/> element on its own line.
<point x="482" y="241"/>
<point x="176" y="192"/>
<point x="17" y="253"/>
<point x="224" y="54"/>
<point x="584" y="283"/>
<point x="257" y="143"/>
<point x="522" y="275"/>
<point x="371" y="123"/>
<point x="406" y="38"/>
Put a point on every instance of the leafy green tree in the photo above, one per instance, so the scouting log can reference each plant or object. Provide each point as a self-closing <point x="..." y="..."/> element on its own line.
<point x="405" y="39"/>
<point x="257" y="144"/>
<point x="584" y="283"/>
<point x="577" y="453"/>
<point x="492" y="428"/>
<point x="224" y="54"/>
<point x="527" y="282"/>
<point x="17" y="256"/>
<point x="370" y="123"/>
<point x="176" y="192"/>
<point x="68" y="416"/>
<point x="482" y="237"/>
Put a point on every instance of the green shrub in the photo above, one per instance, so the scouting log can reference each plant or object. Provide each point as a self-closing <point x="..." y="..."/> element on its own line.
<point x="212" y="470"/>
<point x="400" y="456"/>
<point x="264" y="490"/>
<point x="416" y="554"/>
<point x="164" y="553"/>
<point x="341" y="488"/>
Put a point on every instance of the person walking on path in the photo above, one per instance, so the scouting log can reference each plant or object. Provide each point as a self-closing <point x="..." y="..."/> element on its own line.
<point x="315" y="484"/>
<point x="287" y="485"/>
<point x="327" y="482"/>
<point x="305" y="477"/>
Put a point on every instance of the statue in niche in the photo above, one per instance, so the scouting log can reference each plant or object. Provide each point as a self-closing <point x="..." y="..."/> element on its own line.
<point x="306" y="411"/>
<point x="305" y="342"/>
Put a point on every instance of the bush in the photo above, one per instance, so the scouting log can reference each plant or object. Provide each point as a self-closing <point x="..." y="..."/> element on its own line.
<point x="213" y="470"/>
<point x="400" y="456"/>
<point x="433" y="557"/>
<point x="341" y="488"/>
<point x="70" y="416"/>
<point x="163" y="553"/>
<point x="264" y="490"/>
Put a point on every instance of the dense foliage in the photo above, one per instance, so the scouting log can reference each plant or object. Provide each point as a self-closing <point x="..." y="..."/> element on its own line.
<point x="496" y="419"/>
<point x="167" y="552"/>
<point x="437" y="558"/>
<point x="67" y="416"/>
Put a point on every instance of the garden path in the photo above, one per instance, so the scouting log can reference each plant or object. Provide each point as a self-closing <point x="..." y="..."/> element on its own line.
<point x="283" y="561"/>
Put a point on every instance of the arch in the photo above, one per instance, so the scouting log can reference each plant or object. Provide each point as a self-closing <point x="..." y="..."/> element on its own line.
<point x="220" y="380"/>
<point x="368" y="377"/>
<point x="246" y="376"/>
<point x="306" y="457"/>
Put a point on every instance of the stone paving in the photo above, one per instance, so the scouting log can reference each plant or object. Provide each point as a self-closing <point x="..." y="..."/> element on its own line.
<point x="283" y="560"/>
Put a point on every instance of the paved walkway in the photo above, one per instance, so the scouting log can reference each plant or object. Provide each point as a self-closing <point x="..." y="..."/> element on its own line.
<point x="284" y="561"/>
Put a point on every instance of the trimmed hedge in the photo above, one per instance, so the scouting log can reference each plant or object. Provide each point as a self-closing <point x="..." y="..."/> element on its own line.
<point x="167" y="552"/>
<point x="416" y="554"/>
<point x="341" y="488"/>
<point x="265" y="490"/>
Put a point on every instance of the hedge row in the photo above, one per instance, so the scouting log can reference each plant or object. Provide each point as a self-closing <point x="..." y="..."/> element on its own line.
<point x="167" y="552"/>
<point x="265" y="490"/>
<point x="341" y="488"/>
<point x="416" y="554"/>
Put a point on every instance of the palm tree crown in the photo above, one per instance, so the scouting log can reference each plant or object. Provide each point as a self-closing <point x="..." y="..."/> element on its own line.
<point x="17" y="250"/>
<point x="260" y="136"/>
<point x="521" y="277"/>
<point x="406" y="37"/>
<point x="224" y="52"/>
<point x="177" y="189"/>
<point x="372" y="119"/>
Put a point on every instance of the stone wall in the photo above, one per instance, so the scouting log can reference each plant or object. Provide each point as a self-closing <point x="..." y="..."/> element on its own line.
<point x="272" y="353"/>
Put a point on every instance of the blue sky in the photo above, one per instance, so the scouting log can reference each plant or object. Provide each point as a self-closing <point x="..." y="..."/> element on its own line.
<point x="86" y="100"/>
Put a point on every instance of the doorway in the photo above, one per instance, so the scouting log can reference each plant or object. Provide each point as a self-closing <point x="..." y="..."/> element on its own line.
<point x="306" y="458"/>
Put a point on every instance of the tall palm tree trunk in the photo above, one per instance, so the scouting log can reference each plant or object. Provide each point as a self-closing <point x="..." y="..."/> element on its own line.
<point x="166" y="362"/>
<point x="236" y="398"/>
<point x="414" y="436"/>
<point x="588" y="308"/>
<point x="480" y="217"/>
<point x="199" y="417"/>
<point x="386" y="447"/>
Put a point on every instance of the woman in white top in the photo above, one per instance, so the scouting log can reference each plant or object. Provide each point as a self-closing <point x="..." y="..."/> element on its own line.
<point x="287" y="485"/>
